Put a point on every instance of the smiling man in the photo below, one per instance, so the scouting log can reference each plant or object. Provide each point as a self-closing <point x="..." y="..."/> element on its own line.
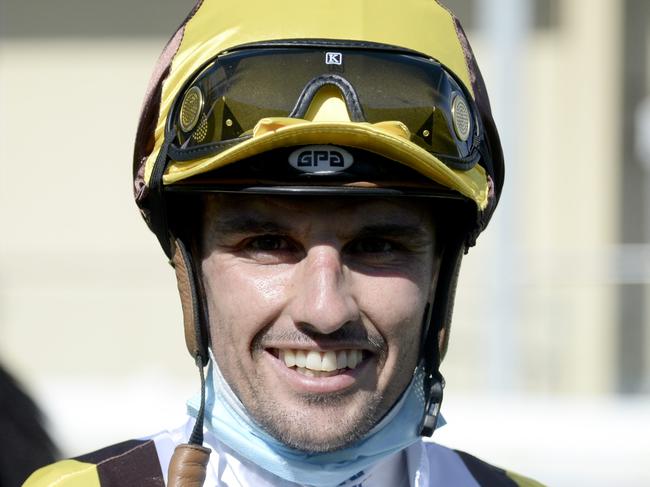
<point x="314" y="172"/>
<point x="318" y="319"/>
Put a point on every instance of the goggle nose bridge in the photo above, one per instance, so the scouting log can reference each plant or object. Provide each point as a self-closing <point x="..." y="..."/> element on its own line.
<point x="347" y="90"/>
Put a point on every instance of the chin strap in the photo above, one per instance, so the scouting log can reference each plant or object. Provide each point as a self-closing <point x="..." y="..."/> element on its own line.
<point x="196" y="438"/>
<point x="187" y="467"/>
<point x="432" y="408"/>
<point x="433" y="381"/>
<point x="436" y="327"/>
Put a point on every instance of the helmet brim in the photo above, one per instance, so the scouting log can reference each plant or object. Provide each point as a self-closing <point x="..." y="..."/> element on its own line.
<point x="472" y="184"/>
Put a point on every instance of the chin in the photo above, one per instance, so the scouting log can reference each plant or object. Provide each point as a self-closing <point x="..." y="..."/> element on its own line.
<point x="320" y="428"/>
<point x="319" y="442"/>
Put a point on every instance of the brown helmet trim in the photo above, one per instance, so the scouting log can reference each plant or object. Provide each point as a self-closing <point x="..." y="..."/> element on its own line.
<point x="196" y="338"/>
<point x="483" y="104"/>
<point x="145" y="135"/>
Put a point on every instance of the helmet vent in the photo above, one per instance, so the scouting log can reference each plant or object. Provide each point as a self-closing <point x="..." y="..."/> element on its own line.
<point x="202" y="131"/>
<point x="461" y="116"/>
<point x="191" y="108"/>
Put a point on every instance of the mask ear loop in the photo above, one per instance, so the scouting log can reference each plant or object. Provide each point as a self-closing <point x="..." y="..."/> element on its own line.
<point x="188" y="464"/>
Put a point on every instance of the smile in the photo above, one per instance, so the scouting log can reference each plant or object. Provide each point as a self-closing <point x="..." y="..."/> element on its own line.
<point x="313" y="363"/>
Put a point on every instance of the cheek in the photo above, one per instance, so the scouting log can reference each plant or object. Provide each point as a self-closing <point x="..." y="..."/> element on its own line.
<point x="395" y="305"/>
<point x="240" y="299"/>
<point x="395" y="308"/>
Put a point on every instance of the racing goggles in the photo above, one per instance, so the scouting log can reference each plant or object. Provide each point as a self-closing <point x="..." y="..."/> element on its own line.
<point x="221" y="106"/>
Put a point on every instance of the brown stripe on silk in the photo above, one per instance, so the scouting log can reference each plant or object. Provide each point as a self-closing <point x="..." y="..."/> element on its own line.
<point x="133" y="462"/>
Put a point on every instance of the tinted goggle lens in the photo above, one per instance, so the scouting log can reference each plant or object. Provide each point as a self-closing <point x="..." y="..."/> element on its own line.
<point x="229" y="97"/>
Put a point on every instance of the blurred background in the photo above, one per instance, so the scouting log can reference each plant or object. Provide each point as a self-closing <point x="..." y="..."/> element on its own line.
<point x="548" y="371"/>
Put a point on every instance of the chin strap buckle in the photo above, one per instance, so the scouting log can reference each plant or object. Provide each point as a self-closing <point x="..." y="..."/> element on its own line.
<point x="432" y="409"/>
<point x="188" y="464"/>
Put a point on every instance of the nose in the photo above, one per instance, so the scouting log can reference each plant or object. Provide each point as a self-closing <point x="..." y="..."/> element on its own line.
<point x="322" y="300"/>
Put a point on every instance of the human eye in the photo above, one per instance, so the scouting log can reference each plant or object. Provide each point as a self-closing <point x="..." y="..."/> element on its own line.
<point x="268" y="243"/>
<point x="373" y="245"/>
<point x="269" y="249"/>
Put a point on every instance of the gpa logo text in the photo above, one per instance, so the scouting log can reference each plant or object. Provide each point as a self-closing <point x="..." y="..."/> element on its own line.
<point x="321" y="159"/>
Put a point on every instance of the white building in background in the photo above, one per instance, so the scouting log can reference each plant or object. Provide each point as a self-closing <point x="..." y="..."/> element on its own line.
<point x="574" y="204"/>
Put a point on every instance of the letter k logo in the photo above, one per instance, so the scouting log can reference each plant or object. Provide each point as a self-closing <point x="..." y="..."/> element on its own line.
<point x="334" y="58"/>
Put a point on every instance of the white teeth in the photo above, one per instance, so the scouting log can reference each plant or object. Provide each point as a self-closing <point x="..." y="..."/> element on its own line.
<point x="329" y="361"/>
<point x="321" y="361"/>
<point x="314" y="360"/>
<point x="307" y="372"/>
<point x="359" y="357"/>
<point x="301" y="358"/>
<point x="341" y="359"/>
<point x="289" y="357"/>
<point x="315" y="373"/>
<point x="352" y="359"/>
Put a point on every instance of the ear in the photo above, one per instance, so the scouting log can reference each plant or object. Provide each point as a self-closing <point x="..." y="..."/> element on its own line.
<point x="196" y="337"/>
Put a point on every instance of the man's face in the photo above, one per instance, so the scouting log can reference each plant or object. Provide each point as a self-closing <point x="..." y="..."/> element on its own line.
<point x="316" y="308"/>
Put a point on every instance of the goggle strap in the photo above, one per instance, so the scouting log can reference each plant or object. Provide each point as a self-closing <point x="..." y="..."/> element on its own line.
<point x="156" y="201"/>
<point x="181" y="154"/>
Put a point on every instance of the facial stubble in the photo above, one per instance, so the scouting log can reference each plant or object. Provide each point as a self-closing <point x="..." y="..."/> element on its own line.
<point x="320" y="422"/>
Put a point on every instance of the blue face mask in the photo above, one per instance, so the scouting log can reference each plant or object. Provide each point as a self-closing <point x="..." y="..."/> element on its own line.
<point x="228" y="420"/>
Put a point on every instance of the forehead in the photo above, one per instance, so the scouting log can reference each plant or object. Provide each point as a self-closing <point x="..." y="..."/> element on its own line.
<point x="326" y="210"/>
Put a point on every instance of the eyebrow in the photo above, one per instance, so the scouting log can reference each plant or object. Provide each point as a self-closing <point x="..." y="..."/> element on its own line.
<point x="246" y="224"/>
<point x="414" y="233"/>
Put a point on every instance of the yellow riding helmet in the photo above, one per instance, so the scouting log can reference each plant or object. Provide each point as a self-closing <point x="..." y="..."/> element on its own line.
<point x="328" y="97"/>
<point x="415" y="27"/>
